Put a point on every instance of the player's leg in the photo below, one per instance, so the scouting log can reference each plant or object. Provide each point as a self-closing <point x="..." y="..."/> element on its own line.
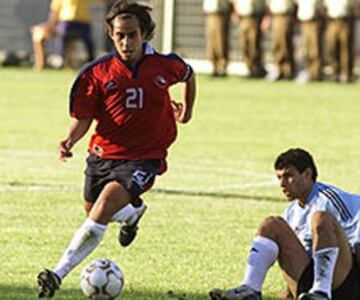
<point x="130" y="223"/>
<point x="86" y="34"/>
<point x="332" y="257"/>
<point x="274" y="240"/>
<point x="62" y="28"/>
<point x="39" y="35"/>
<point x="138" y="177"/>
<point x="113" y="198"/>
<point x="124" y="215"/>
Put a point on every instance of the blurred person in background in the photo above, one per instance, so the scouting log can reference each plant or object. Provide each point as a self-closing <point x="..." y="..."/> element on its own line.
<point x="282" y="25"/>
<point x="68" y="20"/>
<point x="309" y="13"/>
<point x="357" y="33"/>
<point x="250" y="13"/>
<point x="339" y="38"/>
<point x="217" y="33"/>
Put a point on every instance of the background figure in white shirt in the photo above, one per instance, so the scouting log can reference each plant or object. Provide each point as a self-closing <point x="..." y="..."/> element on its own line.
<point x="251" y="13"/>
<point x="282" y="26"/>
<point x="339" y="38"/>
<point x="357" y="32"/>
<point x="315" y="242"/>
<point x="217" y="34"/>
<point x="310" y="15"/>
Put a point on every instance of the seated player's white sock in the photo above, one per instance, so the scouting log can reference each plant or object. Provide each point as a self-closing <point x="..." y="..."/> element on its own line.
<point x="324" y="265"/>
<point x="262" y="255"/>
<point x="84" y="241"/>
<point x="128" y="214"/>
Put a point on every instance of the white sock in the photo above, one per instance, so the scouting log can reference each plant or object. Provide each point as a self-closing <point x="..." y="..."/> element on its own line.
<point x="84" y="241"/>
<point x="324" y="265"/>
<point x="128" y="214"/>
<point x="263" y="254"/>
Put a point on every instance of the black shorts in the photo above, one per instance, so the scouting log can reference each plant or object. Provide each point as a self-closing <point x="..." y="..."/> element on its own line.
<point x="348" y="290"/>
<point x="136" y="176"/>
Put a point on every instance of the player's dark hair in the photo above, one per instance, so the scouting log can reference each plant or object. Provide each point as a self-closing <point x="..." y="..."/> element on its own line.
<point x="297" y="157"/>
<point x="129" y="8"/>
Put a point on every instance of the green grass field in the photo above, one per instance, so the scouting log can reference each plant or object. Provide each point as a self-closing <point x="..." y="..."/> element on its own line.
<point x="202" y="213"/>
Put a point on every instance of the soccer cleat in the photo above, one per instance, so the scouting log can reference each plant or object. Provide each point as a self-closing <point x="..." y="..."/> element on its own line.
<point x="240" y="293"/>
<point x="128" y="232"/>
<point x="48" y="283"/>
<point x="313" y="296"/>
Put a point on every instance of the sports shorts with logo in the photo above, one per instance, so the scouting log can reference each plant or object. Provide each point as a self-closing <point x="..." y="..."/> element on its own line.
<point x="348" y="290"/>
<point x="136" y="176"/>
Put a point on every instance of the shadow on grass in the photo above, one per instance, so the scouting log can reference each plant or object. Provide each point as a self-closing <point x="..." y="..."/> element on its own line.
<point x="8" y="292"/>
<point x="17" y="186"/>
<point x="216" y="195"/>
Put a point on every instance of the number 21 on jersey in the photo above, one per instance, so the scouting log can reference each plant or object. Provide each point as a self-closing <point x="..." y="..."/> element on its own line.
<point x="134" y="98"/>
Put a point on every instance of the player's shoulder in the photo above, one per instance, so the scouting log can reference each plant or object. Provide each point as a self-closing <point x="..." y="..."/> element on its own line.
<point x="328" y="190"/>
<point x="173" y="64"/>
<point x="100" y="65"/>
<point x="169" y="57"/>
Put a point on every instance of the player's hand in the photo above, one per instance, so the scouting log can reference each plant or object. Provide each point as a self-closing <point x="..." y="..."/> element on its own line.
<point x="180" y="113"/>
<point x="64" y="150"/>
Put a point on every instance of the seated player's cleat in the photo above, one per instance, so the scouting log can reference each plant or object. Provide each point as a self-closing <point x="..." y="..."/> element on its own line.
<point x="48" y="283"/>
<point x="240" y="293"/>
<point x="128" y="232"/>
<point x="313" y="296"/>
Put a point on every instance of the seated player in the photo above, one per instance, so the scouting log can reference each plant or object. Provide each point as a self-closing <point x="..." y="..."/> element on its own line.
<point x="315" y="241"/>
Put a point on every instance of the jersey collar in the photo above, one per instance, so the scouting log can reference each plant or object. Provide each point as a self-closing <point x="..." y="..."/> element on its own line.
<point x="148" y="50"/>
<point x="313" y="193"/>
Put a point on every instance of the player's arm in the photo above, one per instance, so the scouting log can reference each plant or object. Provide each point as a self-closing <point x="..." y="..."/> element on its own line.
<point x="54" y="13"/>
<point x="183" y="111"/>
<point x="78" y="129"/>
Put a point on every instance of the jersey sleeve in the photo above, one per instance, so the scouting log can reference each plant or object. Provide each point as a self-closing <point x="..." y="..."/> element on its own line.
<point x="331" y="202"/>
<point x="84" y="97"/>
<point x="182" y="71"/>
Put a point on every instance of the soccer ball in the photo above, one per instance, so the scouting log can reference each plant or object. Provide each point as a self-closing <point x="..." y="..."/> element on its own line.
<point x="102" y="279"/>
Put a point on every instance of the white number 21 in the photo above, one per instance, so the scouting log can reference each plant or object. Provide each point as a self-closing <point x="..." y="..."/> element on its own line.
<point x="134" y="98"/>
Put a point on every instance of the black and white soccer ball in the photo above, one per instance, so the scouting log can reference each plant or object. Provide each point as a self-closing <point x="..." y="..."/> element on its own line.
<point x="102" y="279"/>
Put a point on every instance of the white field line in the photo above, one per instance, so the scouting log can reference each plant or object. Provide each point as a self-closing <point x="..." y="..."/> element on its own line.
<point x="178" y="170"/>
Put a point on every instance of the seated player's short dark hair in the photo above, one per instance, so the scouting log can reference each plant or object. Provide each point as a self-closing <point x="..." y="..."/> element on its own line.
<point x="132" y="8"/>
<point x="297" y="157"/>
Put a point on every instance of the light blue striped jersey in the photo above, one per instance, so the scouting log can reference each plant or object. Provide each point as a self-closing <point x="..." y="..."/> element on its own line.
<point x="344" y="206"/>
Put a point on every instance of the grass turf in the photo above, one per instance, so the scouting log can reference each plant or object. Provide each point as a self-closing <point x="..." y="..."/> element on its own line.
<point x="202" y="213"/>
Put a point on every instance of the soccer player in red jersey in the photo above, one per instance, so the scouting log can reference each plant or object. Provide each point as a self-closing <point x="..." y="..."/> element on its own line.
<point x="126" y="94"/>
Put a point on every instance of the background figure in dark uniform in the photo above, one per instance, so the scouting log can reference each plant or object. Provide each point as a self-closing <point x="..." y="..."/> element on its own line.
<point x="250" y="13"/>
<point x="339" y="38"/>
<point x="282" y="19"/>
<point x="309" y="14"/>
<point x="217" y="31"/>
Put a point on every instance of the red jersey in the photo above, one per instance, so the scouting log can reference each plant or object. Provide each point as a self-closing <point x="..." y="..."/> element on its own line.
<point x="132" y="107"/>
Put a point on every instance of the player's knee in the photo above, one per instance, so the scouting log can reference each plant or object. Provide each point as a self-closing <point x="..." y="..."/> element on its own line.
<point x="271" y="226"/>
<point x="88" y="206"/>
